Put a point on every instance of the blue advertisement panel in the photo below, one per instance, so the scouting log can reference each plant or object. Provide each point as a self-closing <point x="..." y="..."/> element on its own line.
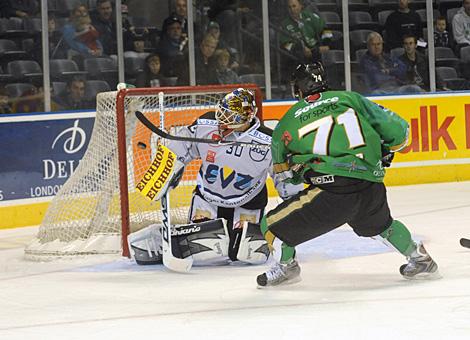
<point x="37" y="157"/>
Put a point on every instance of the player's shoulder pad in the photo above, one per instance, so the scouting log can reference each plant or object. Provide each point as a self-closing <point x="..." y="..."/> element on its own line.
<point x="208" y="115"/>
<point x="262" y="134"/>
<point x="264" y="129"/>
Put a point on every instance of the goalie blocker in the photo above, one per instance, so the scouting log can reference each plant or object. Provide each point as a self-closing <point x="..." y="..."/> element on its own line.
<point x="206" y="242"/>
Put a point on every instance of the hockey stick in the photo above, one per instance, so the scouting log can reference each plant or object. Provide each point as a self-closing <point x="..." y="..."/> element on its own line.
<point x="465" y="242"/>
<point x="169" y="260"/>
<point x="140" y="116"/>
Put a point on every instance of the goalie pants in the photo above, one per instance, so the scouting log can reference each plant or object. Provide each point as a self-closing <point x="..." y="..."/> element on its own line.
<point x="314" y="212"/>
<point x="252" y="212"/>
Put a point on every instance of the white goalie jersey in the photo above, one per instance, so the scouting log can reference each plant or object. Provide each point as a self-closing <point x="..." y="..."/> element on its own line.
<point x="230" y="175"/>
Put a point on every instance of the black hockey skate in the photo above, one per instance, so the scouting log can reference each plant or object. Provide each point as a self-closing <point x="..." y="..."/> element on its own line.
<point x="420" y="265"/>
<point x="280" y="274"/>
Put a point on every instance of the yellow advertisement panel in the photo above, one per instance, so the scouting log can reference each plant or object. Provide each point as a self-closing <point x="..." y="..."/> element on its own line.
<point x="439" y="146"/>
<point x="439" y="126"/>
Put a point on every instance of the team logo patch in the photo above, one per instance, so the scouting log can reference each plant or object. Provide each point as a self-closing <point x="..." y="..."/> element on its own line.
<point x="286" y="137"/>
<point x="258" y="154"/>
<point x="210" y="157"/>
<point x="216" y="137"/>
<point x="312" y="97"/>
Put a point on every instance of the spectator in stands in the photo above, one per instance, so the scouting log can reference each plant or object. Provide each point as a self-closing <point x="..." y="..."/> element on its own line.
<point x="74" y="96"/>
<point x="304" y="31"/>
<point x="383" y="73"/>
<point x="213" y="29"/>
<point x="224" y="74"/>
<point x="228" y="14"/>
<point x="173" y="47"/>
<point x="151" y="76"/>
<point x="181" y="12"/>
<point x="5" y="106"/>
<point x="30" y="101"/>
<point x="103" y="21"/>
<point x="19" y="8"/>
<point x="400" y="22"/>
<point x="131" y="34"/>
<point x="139" y="42"/>
<point x="57" y="48"/>
<point x="205" y="68"/>
<point x="461" y="26"/>
<point x="417" y="69"/>
<point x="128" y="30"/>
<point x="81" y="36"/>
<point x="442" y="37"/>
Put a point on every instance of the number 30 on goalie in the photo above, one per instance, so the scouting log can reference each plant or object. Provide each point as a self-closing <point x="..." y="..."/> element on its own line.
<point x="159" y="175"/>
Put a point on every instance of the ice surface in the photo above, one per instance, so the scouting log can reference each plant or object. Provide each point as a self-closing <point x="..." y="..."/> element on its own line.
<point x="351" y="288"/>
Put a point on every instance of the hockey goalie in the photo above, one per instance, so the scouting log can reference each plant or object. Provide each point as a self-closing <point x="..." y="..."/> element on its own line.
<point x="230" y="197"/>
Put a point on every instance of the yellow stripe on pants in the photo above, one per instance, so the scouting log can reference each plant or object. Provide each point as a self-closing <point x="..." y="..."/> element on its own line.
<point x="292" y="206"/>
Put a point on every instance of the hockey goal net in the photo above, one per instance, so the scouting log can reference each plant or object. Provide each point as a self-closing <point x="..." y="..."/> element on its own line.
<point x="98" y="206"/>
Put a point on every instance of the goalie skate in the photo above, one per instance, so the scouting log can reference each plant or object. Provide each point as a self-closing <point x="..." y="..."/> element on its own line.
<point x="421" y="266"/>
<point x="280" y="274"/>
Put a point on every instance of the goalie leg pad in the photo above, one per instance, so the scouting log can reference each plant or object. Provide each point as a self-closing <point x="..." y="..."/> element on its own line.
<point x="238" y="220"/>
<point x="205" y="241"/>
<point x="253" y="247"/>
<point x="146" y="245"/>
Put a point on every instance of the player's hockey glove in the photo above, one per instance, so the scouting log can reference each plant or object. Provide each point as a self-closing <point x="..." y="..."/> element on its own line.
<point x="387" y="157"/>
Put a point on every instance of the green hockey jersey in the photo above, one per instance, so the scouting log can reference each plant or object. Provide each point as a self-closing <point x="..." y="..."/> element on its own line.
<point x="339" y="133"/>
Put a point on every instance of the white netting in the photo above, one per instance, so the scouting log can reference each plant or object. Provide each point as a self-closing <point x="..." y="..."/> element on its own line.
<point x="85" y="216"/>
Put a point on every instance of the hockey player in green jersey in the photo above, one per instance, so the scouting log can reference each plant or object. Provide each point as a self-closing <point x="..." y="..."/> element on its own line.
<point x="337" y="142"/>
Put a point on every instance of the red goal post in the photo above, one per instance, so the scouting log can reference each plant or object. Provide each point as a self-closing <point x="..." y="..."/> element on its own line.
<point x="98" y="206"/>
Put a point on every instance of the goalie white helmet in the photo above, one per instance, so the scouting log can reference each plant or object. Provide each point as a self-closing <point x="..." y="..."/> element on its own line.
<point x="236" y="109"/>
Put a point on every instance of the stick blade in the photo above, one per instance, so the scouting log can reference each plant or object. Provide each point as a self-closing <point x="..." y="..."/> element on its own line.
<point x="465" y="242"/>
<point x="176" y="264"/>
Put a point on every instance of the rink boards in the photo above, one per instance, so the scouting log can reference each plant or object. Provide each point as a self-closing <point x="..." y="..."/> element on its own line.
<point x="438" y="150"/>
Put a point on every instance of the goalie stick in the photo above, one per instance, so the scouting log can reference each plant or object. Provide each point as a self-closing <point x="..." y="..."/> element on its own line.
<point x="141" y="117"/>
<point x="169" y="260"/>
<point x="465" y="242"/>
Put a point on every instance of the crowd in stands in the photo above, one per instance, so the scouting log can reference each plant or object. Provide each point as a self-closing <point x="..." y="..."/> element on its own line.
<point x="389" y="46"/>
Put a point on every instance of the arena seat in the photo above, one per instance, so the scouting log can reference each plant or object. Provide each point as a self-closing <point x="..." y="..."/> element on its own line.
<point x="93" y="87"/>
<point x="25" y="70"/>
<point x="16" y="90"/>
<point x="362" y="20"/>
<point x="64" y="68"/>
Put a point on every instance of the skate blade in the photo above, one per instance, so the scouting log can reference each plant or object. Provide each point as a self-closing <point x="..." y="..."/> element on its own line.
<point x="284" y="283"/>
<point x="425" y="276"/>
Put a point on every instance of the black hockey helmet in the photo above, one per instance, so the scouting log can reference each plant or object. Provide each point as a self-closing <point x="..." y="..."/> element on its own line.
<point x="308" y="79"/>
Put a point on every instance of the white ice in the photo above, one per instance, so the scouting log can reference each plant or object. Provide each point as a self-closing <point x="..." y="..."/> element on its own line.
<point x="351" y="288"/>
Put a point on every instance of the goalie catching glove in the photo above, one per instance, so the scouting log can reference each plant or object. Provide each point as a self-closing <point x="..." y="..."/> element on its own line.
<point x="164" y="173"/>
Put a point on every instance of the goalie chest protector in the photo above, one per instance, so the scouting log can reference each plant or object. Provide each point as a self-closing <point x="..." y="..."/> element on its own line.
<point x="230" y="175"/>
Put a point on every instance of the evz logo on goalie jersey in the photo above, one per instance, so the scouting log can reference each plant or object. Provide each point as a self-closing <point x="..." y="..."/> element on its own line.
<point x="227" y="176"/>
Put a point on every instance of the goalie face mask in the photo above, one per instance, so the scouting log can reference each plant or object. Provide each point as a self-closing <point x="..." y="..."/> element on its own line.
<point x="236" y="109"/>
